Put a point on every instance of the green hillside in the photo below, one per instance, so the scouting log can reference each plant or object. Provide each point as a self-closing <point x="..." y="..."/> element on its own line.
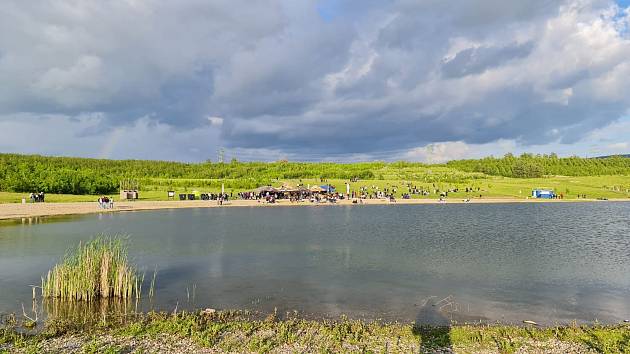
<point x="508" y="176"/>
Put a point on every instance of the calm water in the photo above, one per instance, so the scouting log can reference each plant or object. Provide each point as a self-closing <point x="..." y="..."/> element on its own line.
<point x="551" y="263"/>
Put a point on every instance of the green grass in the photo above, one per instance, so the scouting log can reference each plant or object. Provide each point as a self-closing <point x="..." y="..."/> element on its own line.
<point x="442" y="178"/>
<point x="242" y="332"/>
<point x="611" y="187"/>
<point x="11" y="197"/>
<point x="96" y="269"/>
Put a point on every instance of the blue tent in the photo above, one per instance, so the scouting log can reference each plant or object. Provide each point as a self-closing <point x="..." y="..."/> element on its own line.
<point x="543" y="194"/>
<point x="328" y="188"/>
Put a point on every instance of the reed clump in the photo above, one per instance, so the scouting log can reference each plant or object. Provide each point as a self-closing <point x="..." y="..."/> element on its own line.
<point x="95" y="269"/>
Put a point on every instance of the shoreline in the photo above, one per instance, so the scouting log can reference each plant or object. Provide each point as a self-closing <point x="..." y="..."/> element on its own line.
<point x="211" y="331"/>
<point x="10" y="211"/>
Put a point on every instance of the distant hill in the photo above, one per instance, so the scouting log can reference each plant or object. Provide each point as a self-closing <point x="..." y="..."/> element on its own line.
<point x="608" y="156"/>
<point x="534" y="166"/>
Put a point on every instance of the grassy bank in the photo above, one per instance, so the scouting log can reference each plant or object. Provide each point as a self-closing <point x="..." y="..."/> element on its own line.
<point x="240" y="333"/>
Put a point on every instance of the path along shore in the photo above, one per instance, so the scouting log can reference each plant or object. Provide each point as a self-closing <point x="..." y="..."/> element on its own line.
<point x="29" y="210"/>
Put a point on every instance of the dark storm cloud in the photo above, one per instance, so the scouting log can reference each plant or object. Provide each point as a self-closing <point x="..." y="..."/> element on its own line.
<point x="282" y="76"/>
<point x="508" y="80"/>
<point x="320" y="77"/>
<point x="127" y="59"/>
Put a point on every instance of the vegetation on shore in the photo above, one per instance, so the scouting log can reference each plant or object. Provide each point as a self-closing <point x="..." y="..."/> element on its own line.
<point x="241" y="332"/>
<point x="82" y="176"/>
<point x="593" y="187"/>
<point x="96" y="269"/>
<point x="536" y="166"/>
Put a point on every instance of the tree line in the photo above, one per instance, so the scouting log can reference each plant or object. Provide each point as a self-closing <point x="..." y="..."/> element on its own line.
<point x="67" y="175"/>
<point x="536" y="166"/>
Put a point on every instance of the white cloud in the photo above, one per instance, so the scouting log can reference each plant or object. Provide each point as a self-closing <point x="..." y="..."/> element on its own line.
<point x="216" y="121"/>
<point x="440" y="152"/>
<point x="456" y="150"/>
<point x="625" y="147"/>
<point x="81" y="85"/>
<point x="609" y="140"/>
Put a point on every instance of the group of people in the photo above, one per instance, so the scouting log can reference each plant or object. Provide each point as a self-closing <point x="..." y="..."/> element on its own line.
<point x="223" y="198"/>
<point x="407" y="190"/>
<point x="326" y="198"/>
<point x="374" y="192"/>
<point x="219" y="197"/>
<point x="106" y="202"/>
<point x="293" y="196"/>
<point x="365" y="192"/>
<point x="37" y="197"/>
<point x="414" y="190"/>
<point x="249" y="195"/>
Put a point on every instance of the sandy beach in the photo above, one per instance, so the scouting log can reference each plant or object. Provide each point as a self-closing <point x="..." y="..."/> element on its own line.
<point x="17" y="211"/>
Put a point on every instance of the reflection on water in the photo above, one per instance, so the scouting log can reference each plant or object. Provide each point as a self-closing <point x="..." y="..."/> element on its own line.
<point x="417" y="263"/>
<point x="86" y="312"/>
<point x="75" y="312"/>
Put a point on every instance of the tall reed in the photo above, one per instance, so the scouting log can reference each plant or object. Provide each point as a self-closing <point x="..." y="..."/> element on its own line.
<point x="96" y="269"/>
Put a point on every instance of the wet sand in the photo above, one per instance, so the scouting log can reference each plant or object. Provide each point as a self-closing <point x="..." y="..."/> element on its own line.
<point x="16" y="211"/>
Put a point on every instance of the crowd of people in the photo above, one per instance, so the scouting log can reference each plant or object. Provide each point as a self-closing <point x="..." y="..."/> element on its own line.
<point x="374" y="192"/>
<point x="327" y="193"/>
<point x="300" y="194"/>
<point x="271" y="195"/>
<point x="414" y="190"/>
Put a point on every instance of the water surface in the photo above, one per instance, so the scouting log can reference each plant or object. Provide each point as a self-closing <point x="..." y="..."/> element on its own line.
<point x="552" y="263"/>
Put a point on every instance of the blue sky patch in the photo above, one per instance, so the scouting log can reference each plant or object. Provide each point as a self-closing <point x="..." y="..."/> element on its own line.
<point x="329" y="9"/>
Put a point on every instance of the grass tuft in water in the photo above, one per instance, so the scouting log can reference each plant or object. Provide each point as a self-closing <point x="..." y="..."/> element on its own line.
<point x="96" y="269"/>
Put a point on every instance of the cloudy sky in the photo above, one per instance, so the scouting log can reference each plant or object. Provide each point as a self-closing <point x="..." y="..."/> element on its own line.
<point x="422" y="80"/>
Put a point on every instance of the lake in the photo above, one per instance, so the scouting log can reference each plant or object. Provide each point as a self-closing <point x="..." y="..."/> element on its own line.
<point x="551" y="263"/>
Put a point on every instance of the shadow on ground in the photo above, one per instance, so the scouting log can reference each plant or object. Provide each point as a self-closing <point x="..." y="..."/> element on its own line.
<point x="432" y="327"/>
